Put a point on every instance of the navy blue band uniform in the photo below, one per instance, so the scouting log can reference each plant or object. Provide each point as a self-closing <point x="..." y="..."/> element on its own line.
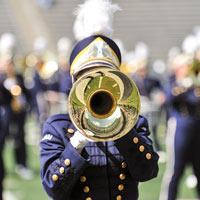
<point x="184" y="115"/>
<point x="16" y="116"/>
<point x="104" y="170"/>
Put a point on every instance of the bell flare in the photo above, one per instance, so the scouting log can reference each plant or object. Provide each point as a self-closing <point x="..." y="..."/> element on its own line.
<point x="104" y="104"/>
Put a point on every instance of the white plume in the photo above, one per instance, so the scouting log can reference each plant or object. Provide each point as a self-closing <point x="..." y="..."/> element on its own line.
<point x="7" y="41"/>
<point x="94" y="17"/>
<point x="189" y="44"/>
<point x="141" y="50"/>
<point x="64" y="45"/>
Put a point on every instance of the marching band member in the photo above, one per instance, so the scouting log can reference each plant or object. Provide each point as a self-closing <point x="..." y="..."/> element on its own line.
<point x="182" y="99"/>
<point x="58" y="83"/>
<point x="39" y="85"/>
<point x="76" y="167"/>
<point x="16" y="114"/>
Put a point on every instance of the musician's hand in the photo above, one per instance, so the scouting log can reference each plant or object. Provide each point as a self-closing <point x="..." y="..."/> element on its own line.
<point x="79" y="141"/>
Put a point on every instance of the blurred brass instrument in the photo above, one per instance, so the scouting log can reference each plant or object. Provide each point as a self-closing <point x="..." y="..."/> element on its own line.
<point x="104" y="104"/>
<point x="45" y="67"/>
<point x="48" y="69"/>
<point x="16" y="92"/>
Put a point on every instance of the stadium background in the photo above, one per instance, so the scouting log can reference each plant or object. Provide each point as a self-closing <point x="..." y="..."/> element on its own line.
<point x="160" y="24"/>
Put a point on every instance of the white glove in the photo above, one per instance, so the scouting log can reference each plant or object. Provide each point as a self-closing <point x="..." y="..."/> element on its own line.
<point x="78" y="141"/>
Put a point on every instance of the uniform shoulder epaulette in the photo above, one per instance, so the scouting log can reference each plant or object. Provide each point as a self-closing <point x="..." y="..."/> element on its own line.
<point x="58" y="117"/>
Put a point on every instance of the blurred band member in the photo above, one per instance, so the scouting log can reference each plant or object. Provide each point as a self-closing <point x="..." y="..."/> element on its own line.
<point x="183" y="139"/>
<point x="16" y="114"/>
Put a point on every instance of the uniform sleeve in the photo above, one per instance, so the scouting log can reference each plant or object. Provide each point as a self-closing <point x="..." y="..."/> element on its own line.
<point x="61" y="165"/>
<point x="138" y="152"/>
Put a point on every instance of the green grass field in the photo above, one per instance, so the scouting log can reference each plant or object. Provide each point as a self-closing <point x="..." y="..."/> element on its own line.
<point x="32" y="190"/>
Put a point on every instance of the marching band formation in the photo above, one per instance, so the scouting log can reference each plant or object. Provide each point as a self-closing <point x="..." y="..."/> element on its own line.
<point x="72" y="165"/>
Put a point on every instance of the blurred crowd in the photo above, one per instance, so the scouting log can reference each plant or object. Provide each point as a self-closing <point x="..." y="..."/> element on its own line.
<point x="39" y="82"/>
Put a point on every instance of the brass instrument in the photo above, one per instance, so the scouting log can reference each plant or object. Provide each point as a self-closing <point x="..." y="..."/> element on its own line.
<point x="17" y="103"/>
<point x="45" y="66"/>
<point x="104" y="104"/>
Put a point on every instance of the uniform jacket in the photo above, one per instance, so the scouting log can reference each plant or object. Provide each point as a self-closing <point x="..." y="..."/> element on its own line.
<point x="183" y="102"/>
<point x="103" y="171"/>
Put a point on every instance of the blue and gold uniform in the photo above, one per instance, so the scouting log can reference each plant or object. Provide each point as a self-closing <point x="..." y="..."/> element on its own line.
<point x="104" y="170"/>
<point x="77" y="167"/>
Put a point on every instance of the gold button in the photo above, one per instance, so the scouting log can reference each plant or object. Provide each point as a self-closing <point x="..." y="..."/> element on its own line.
<point x="141" y="148"/>
<point x="67" y="162"/>
<point x="55" y="177"/>
<point x="118" y="197"/>
<point x="124" y="165"/>
<point x="83" y="179"/>
<point x="148" y="156"/>
<point x="122" y="176"/>
<point x="88" y="198"/>
<point x="70" y="130"/>
<point x="62" y="170"/>
<point x="135" y="140"/>
<point x="120" y="187"/>
<point x="86" y="189"/>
